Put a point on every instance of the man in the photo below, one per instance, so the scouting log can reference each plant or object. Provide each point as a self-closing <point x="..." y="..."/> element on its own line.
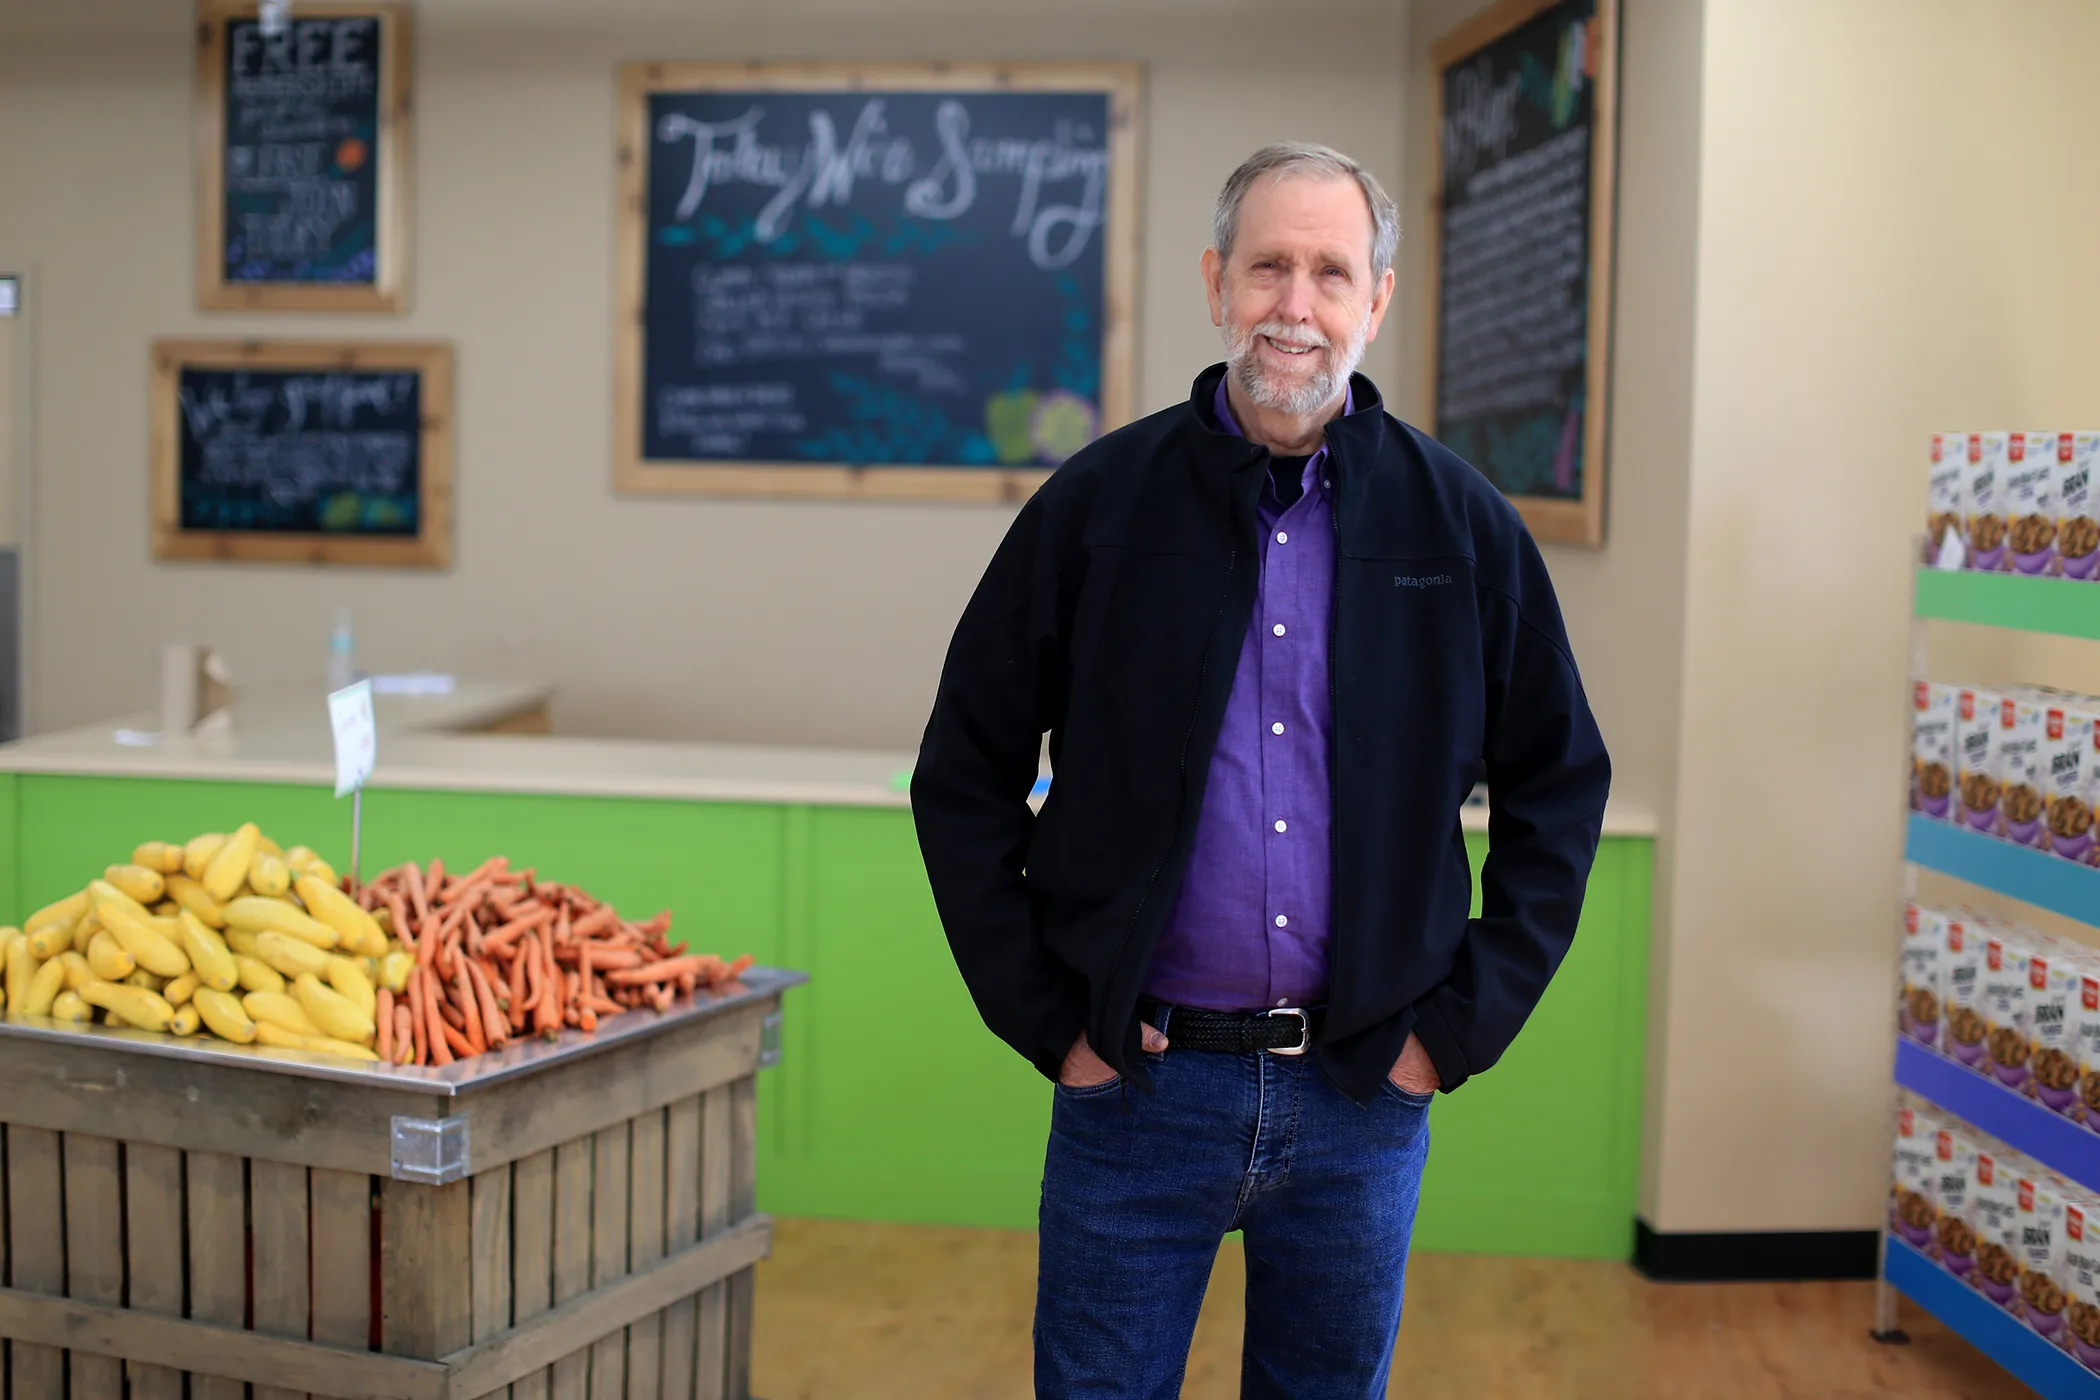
<point x="1275" y="637"/>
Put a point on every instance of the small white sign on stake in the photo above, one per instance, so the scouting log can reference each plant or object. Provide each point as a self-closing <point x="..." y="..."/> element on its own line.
<point x="356" y="736"/>
<point x="356" y="750"/>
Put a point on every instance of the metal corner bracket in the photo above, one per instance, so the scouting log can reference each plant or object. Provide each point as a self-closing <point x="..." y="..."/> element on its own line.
<point x="769" y="1040"/>
<point x="432" y="1151"/>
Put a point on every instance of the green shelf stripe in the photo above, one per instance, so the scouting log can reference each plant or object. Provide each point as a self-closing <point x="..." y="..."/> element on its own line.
<point x="2063" y="607"/>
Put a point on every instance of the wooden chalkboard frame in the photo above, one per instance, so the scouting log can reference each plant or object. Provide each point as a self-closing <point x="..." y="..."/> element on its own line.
<point x="634" y="475"/>
<point x="388" y="292"/>
<point x="1567" y="522"/>
<point x="430" y="548"/>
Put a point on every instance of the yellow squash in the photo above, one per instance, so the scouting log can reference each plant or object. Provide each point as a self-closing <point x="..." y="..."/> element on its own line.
<point x="84" y="932"/>
<point x="108" y="958"/>
<point x="357" y="929"/>
<point x="288" y="955"/>
<point x="69" y="1007"/>
<point x="394" y="969"/>
<point x="336" y="1015"/>
<point x="207" y="954"/>
<point x="277" y="1009"/>
<point x="224" y="1016"/>
<point x="269" y="876"/>
<point x="159" y="856"/>
<point x="276" y="1036"/>
<point x="149" y="1011"/>
<point x="254" y="913"/>
<point x="102" y="895"/>
<point x="257" y="975"/>
<point x="49" y="940"/>
<point x="69" y="909"/>
<point x="21" y="969"/>
<point x="191" y="896"/>
<point x="141" y="978"/>
<point x="321" y="870"/>
<point x="178" y="992"/>
<point x="198" y="851"/>
<point x="187" y="1019"/>
<point x="152" y="949"/>
<point x="354" y="982"/>
<point x="44" y="988"/>
<point x="229" y="867"/>
<point x="141" y="884"/>
<point x="78" y="973"/>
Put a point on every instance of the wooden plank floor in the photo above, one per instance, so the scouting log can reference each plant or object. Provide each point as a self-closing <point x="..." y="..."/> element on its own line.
<point x="924" y="1313"/>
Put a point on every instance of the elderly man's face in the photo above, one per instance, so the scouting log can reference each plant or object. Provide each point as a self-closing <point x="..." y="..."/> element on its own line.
<point x="1297" y="302"/>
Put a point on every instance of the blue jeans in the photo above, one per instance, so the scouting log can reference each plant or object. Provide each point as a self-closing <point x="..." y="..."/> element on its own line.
<point x="1139" y="1190"/>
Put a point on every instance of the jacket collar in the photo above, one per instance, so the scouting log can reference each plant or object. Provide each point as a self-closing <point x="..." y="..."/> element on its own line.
<point x="1353" y="436"/>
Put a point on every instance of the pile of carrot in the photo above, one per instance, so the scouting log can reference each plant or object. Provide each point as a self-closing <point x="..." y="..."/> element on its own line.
<point x="500" y="954"/>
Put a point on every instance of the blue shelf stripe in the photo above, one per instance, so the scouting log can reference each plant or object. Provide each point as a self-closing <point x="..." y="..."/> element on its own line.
<point x="2050" y="1138"/>
<point x="1996" y="1333"/>
<point x="2036" y="876"/>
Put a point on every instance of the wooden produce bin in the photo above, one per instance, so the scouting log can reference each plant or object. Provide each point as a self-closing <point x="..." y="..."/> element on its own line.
<point x="571" y="1220"/>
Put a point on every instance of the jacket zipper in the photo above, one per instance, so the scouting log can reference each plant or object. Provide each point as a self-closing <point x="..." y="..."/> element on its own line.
<point x="1188" y="737"/>
<point x="1334" y="723"/>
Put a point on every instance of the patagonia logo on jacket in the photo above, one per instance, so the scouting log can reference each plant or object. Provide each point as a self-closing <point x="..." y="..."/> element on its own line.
<point x="1420" y="580"/>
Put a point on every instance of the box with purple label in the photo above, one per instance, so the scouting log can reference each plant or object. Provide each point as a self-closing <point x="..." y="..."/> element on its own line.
<point x="1950" y="455"/>
<point x="1932" y="749"/>
<point x="1983" y="500"/>
<point x="1976" y="756"/>
<point x="2030" y="502"/>
<point x="1924" y="949"/>
<point x="2023" y="720"/>
<point x="1994" y="1208"/>
<point x="2070" y="727"/>
<point x="2077" y="505"/>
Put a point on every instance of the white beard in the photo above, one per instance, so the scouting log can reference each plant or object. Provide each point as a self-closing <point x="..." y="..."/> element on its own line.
<point x="1335" y="364"/>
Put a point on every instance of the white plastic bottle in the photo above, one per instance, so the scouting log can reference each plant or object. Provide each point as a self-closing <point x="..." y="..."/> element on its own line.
<point x="342" y="652"/>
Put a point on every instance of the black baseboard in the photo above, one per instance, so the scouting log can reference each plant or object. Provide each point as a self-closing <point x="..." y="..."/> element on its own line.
<point x="1751" y="1255"/>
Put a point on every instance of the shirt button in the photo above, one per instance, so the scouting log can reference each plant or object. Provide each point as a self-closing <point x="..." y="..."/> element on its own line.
<point x="1283" y="537"/>
<point x="1325" y="482"/>
<point x="1282" y="922"/>
<point x="1276" y="728"/>
<point x="1280" y="826"/>
<point x="1278" y="629"/>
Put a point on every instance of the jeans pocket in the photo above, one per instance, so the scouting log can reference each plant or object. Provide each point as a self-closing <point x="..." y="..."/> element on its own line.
<point x="1406" y="1096"/>
<point x="1091" y="1091"/>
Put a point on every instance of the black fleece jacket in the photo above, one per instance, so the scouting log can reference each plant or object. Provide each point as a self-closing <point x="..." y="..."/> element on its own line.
<point x="1110" y="619"/>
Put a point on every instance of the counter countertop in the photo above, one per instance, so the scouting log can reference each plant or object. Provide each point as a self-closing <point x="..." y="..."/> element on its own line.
<point x="290" y="744"/>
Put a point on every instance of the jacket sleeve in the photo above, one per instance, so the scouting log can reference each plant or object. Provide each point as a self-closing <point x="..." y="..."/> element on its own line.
<point x="1547" y="776"/>
<point x="1001" y="689"/>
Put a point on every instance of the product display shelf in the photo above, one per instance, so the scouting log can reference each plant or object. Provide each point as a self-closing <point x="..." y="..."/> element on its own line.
<point x="2061" y="607"/>
<point x="1984" y="1325"/>
<point x="2067" y="1148"/>
<point x="2057" y="607"/>
<point x="2058" y="885"/>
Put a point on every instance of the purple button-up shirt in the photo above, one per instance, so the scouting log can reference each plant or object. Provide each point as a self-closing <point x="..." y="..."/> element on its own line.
<point x="1250" y="926"/>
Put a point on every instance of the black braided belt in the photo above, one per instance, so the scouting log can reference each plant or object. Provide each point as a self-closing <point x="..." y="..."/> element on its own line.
<point x="1288" y="1030"/>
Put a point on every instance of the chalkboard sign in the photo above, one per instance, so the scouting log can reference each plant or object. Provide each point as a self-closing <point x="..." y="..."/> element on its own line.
<point x="1523" y="230"/>
<point x="319" y="453"/>
<point x="871" y="282"/>
<point x="302" y="135"/>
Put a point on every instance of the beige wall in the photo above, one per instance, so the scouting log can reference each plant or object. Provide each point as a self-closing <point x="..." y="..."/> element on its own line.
<point x="759" y="621"/>
<point x="1828" y="248"/>
<point x="1625" y="603"/>
<point x="1896" y="245"/>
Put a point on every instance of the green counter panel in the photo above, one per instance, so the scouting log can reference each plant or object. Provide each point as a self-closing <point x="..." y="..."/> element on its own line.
<point x="893" y="1102"/>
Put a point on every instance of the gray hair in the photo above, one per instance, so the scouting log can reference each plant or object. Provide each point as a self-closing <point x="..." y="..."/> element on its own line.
<point x="1305" y="158"/>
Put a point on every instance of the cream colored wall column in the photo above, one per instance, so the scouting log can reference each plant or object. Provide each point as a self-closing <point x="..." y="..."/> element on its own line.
<point x="14" y="435"/>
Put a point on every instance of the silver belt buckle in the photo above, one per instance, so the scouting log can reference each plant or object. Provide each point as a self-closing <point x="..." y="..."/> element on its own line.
<point x="1304" y="1030"/>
